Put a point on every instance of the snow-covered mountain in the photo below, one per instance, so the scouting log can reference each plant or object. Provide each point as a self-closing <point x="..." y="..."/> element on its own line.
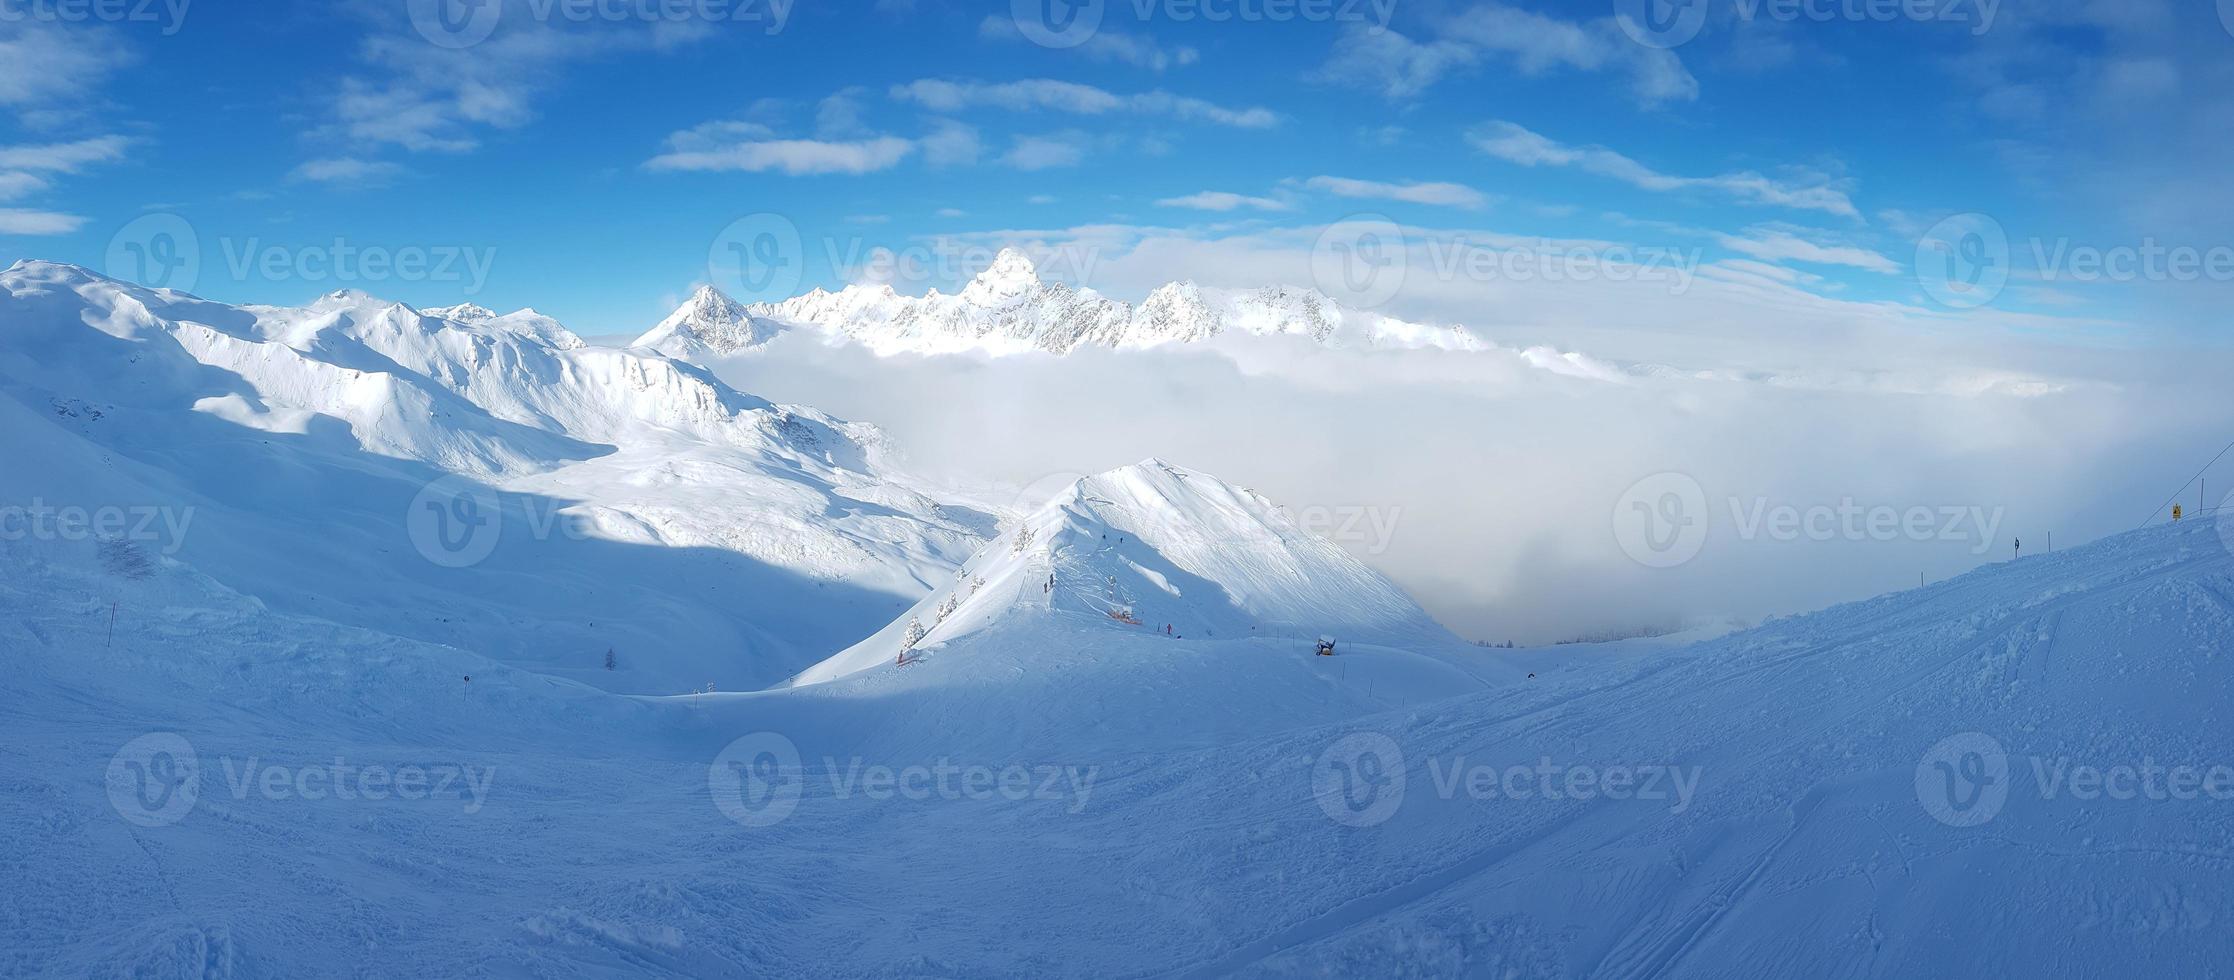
<point x="1156" y="549"/>
<point x="637" y="502"/>
<point x="709" y="323"/>
<point x="1008" y="309"/>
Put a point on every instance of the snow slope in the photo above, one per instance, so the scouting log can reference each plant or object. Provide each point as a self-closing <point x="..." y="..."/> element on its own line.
<point x="1009" y="309"/>
<point x="1194" y="819"/>
<point x="639" y="504"/>
<point x="1151" y="547"/>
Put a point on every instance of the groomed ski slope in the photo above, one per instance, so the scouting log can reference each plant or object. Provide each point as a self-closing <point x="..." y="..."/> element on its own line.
<point x="1198" y="845"/>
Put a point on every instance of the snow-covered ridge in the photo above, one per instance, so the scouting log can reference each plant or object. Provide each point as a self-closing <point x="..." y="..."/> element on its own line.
<point x="1158" y="550"/>
<point x="709" y="323"/>
<point x="1009" y="309"/>
<point x="301" y="433"/>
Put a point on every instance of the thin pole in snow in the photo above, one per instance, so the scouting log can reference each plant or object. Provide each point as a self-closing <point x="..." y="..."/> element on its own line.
<point x="112" y="625"/>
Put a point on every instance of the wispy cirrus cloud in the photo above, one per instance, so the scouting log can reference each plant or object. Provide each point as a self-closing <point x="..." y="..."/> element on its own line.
<point x="20" y="221"/>
<point x="66" y="158"/>
<point x="1517" y="144"/>
<point x="26" y="169"/>
<point x="1439" y="194"/>
<point x="346" y="172"/>
<point x="1781" y="244"/>
<point x="1403" y="68"/>
<point x="1105" y="45"/>
<point x="45" y="67"/>
<point x="1223" y="201"/>
<point x="947" y="95"/>
<point x="795" y="157"/>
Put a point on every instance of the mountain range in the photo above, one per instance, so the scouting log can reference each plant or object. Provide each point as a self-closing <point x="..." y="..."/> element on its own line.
<point x="1009" y="309"/>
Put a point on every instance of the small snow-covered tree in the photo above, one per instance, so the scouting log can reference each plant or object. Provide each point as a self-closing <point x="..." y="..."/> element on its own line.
<point x="914" y="635"/>
<point x="1024" y="539"/>
<point x="947" y="608"/>
<point x="610" y="662"/>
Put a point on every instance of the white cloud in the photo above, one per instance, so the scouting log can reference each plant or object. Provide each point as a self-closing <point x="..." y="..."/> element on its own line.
<point x="1923" y="415"/>
<point x="1783" y="245"/>
<point x="15" y="185"/>
<point x="793" y="157"/>
<point x="1392" y="63"/>
<point x="431" y="99"/>
<point x="18" y="221"/>
<point x="1439" y="194"/>
<point x="1537" y="44"/>
<point x="1222" y="201"/>
<point x="45" y="65"/>
<point x="952" y="213"/>
<point x="838" y="115"/>
<point x="1105" y="45"/>
<point x="1533" y="44"/>
<point x="66" y="158"/>
<point x="1517" y="144"/>
<point x="944" y="95"/>
<point x="1043" y="152"/>
<point x="346" y="170"/>
<point x="950" y="144"/>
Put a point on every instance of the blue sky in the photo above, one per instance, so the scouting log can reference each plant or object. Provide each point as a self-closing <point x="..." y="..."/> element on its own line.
<point x="595" y="163"/>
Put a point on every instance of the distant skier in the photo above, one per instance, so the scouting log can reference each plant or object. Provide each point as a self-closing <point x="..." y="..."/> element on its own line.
<point x="1326" y="646"/>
